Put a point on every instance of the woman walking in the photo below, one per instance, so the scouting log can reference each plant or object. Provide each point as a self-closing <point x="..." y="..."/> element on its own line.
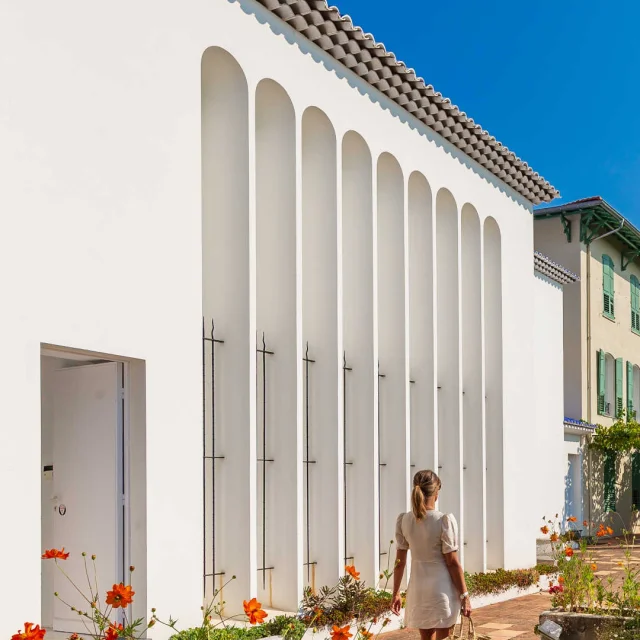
<point x="437" y="592"/>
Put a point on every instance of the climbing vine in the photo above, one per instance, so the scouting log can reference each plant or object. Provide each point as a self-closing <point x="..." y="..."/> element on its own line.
<point x="623" y="436"/>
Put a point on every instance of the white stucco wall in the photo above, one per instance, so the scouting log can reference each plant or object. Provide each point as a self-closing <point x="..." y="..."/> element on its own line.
<point x="101" y="240"/>
<point x="548" y="405"/>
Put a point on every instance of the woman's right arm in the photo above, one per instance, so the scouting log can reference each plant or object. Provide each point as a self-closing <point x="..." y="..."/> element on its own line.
<point x="398" y="572"/>
<point x="457" y="576"/>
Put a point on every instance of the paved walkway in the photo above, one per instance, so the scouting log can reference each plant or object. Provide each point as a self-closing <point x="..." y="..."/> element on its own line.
<point x="517" y="618"/>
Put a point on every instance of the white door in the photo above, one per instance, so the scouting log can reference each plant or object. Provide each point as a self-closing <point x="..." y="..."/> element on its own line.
<point x="87" y="483"/>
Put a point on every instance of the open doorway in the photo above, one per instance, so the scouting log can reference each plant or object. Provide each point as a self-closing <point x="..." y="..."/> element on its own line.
<point x="85" y="477"/>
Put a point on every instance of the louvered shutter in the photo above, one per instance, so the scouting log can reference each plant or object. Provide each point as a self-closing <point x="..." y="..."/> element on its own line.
<point x="609" y="481"/>
<point x="635" y="304"/>
<point x="619" y="387"/>
<point x="630" y="409"/>
<point x="635" y="480"/>
<point x="602" y="382"/>
<point x="607" y="286"/>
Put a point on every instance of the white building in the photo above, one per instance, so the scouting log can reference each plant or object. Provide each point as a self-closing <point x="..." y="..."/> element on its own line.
<point x="272" y="168"/>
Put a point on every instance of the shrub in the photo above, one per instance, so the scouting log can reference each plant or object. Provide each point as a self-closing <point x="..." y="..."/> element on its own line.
<point x="288" y="627"/>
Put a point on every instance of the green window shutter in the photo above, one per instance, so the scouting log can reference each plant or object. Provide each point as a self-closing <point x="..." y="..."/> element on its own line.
<point x="630" y="409"/>
<point x="635" y="480"/>
<point x="609" y="464"/>
<point x="635" y="304"/>
<point x="607" y="286"/>
<point x="619" y="384"/>
<point x="602" y="381"/>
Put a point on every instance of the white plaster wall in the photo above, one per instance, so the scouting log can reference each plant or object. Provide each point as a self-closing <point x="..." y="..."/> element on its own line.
<point x="102" y="205"/>
<point x="548" y="405"/>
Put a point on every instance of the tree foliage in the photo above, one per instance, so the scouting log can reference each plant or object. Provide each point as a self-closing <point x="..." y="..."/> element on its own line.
<point x="623" y="436"/>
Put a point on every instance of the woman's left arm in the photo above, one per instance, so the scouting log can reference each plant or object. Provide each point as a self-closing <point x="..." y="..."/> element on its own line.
<point x="398" y="572"/>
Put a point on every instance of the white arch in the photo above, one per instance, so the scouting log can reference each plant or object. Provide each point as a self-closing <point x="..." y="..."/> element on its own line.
<point x="392" y="398"/>
<point x="422" y="352"/>
<point x="276" y="319"/>
<point x="473" y="390"/>
<point x="359" y="540"/>
<point x="320" y="329"/>
<point x="226" y="226"/>
<point x="448" y="348"/>
<point x="492" y="253"/>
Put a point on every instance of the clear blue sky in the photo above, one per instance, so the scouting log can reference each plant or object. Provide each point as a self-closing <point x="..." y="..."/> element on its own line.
<point x="557" y="81"/>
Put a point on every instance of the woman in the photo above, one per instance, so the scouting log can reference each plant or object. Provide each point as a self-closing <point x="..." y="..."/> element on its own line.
<point x="437" y="591"/>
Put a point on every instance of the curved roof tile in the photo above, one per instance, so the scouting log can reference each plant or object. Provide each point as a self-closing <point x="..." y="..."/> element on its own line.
<point x="358" y="51"/>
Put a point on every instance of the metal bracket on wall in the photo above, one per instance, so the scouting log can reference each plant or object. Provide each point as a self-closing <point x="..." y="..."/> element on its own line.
<point x="627" y="258"/>
<point x="566" y="226"/>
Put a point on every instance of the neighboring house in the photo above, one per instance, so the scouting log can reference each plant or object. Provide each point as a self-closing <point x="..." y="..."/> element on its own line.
<point x="360" y="250"/>
<point x="551" y="280"/>
<point x="602" y="349"/>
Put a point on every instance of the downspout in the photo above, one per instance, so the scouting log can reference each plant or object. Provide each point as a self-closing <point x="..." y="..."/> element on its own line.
<point x="604" y="235"/>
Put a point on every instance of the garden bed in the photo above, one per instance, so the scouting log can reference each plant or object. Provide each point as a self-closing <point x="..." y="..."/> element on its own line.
<point x="584" y="626"/>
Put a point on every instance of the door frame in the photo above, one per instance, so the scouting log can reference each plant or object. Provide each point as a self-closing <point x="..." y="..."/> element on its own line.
<point x="123" y="457"/>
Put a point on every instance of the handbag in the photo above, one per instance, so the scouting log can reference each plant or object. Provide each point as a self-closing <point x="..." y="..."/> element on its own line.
<point x="460" y="633"/>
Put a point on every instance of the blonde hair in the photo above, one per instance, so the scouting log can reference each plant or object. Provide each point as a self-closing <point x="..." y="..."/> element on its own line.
<point x="425" y="484"/>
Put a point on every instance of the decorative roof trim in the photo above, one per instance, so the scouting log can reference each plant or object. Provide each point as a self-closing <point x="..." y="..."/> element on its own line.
<point x="578" y="426"/>
<point x="359" y="52"/>
<point x="547" y="267"/>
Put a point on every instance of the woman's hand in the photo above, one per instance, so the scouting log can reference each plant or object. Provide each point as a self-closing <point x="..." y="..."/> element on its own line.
<point x="396" y="604"/>
<point x="466" y="607"/>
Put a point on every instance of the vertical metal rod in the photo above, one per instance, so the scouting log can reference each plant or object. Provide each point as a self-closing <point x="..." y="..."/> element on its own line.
<point x="264" y="458"/>
<point x="345" y="368"/>
<point x="213" y="452"/>
<point x="380" y="465"/>
<point x="308" y="510"/>
<point x="204" y="458"/>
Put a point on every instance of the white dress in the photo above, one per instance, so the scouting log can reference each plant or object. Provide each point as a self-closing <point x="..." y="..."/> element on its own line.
<point x="433" y="602"/>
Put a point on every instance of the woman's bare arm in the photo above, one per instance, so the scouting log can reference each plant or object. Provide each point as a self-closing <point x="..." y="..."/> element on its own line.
<point x="457" y="576"/>
<point x="398" y="572"/>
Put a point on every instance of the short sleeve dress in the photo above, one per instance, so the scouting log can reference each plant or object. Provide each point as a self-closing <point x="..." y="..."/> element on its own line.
<point x="433" y="602"/>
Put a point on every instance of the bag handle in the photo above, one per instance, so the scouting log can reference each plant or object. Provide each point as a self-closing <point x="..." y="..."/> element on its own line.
<point x="459" y="626"/>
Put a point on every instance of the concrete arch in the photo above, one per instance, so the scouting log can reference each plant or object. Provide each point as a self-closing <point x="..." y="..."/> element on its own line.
<point x="422" y="347"/>
<point x="448" y="348"/>
<point x="393" y="435"/>
<point x="473" y="389"/>
<point x="359" y="392"/>
<point x="226" y="225"/>
<point x="276" y="318"/>
<point x="320" y="330"/>
<point x="492" y="255"/>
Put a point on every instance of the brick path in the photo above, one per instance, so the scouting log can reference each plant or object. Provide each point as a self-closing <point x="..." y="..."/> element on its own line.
<point x="517" y="618"/>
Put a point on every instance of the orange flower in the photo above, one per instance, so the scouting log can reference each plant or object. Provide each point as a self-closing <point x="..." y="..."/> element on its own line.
<point x="568" y="552"/>
<point x="253" y="610"/>
<point x="594" y="567"/>
<point x="585" y="523"/>
<point x="351" y="570"/>
<point x="55" y="554"/>
<point x="561" y="579"/>
<point x="367" y="635"/>
<point x="610" y="531"/>
<point x="341" y="633"/>
<point x="120" y="596"/>
<point x="572" y="519"/>
<point x="113" y="632"/>
<point x="554" y="537"/>
<point x="544" y="530"/>
<point x="31" y="632"/>
<point x="620" y="564"/>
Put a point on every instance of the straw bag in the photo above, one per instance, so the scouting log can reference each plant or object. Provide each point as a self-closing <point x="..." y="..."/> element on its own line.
<point x="460" y="633"/>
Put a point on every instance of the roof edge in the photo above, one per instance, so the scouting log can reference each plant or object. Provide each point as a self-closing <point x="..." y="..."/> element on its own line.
<point x="547" y="267"/>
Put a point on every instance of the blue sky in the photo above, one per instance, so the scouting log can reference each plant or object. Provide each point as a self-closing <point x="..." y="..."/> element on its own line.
<point x="558" y="82"/>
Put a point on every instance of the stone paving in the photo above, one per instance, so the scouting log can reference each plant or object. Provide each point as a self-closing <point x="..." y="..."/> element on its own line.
<point x="517" y="618"/>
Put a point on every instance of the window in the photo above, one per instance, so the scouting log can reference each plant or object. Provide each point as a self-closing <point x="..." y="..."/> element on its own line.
<point x="635" y="480"/>
<point x="610" y="385"/>
<point x="635" y="304"/>
<point x="607" y="286"/>
<point x="609" y="466"/>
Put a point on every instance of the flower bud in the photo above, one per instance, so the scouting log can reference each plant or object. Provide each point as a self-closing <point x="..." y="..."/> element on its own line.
<point x="84" y="554"/>
<point x="132" y="568"/>
<point x="93" y="557"/>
